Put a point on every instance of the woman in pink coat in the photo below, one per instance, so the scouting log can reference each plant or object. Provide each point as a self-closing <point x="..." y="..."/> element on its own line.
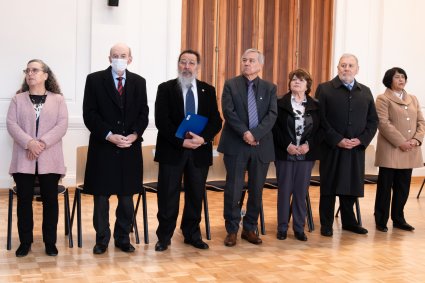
<point x="37" y="120"/>
<point x="401" y="132"/>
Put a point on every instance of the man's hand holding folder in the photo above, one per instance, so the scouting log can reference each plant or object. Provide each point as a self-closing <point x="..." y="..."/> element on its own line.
<point x="192" y="140"/>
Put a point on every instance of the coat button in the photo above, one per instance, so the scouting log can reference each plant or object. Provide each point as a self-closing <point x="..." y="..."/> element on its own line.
<point x="118" y="122"/>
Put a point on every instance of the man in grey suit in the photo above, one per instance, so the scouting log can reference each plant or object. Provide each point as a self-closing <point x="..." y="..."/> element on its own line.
<point x="249" y="107"/>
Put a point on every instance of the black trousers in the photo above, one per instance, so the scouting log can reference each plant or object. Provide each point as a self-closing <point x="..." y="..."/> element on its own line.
<point x="169" y="188"/>
<point x="49" y="196"/>
<point x="399" y="181"/>
<point x="124" y="218"/>
<point x="327" y="211"/>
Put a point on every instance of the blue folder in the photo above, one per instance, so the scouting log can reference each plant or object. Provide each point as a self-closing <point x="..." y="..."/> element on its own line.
<point x="192" y="123"/>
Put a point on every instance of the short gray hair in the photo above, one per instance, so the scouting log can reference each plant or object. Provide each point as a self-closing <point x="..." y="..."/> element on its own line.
<point x="260" y="55"/>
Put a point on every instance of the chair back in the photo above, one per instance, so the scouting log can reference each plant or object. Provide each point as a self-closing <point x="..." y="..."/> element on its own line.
<point x="370" y="168"/>
<point x="271" y="173"/>
<point x="217" y="171"/>
<point x="81" y="164"/>
<point x="150" y="167"/>
<point x="315" y="171"/>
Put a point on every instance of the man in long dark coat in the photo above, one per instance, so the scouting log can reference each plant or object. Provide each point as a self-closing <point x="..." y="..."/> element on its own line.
<point x="350" y="122"/>
<point x="115" y="111"/>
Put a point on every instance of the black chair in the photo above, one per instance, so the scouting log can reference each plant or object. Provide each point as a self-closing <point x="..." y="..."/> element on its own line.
<point x="76" y="206"/>
<point x="61" y="191"/>
<point x="420" y="190"/>
<point x="423" y="183"/>
<point x="271" y="183"/>
<point x="149" y="184"/>
<point x="359" y="217"/>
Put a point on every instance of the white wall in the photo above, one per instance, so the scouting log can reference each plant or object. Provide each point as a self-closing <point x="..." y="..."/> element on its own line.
<point x="74" y="38"/>
<point x="383" y="34"/>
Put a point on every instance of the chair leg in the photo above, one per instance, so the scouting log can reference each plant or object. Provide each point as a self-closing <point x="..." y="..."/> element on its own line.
<point x="419" y="193"/>
<point x="68" y="219"/>
<point x="134" y="222"/>
<point x="9" y="221"/>
<point x="359" y="217"/>
<point x="79" y="226"/>
<point x="263" y="226"/>
<point x="310" y="222"/>
<point x="207" y="216"/>
<point x="145" y="218"/>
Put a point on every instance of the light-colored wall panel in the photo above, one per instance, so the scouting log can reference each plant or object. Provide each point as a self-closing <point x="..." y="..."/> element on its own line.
<point x="74" y="38"/>
<point x="383" y="34"/>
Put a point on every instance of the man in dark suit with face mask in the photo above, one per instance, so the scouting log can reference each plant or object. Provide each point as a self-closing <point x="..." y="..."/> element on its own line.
<point x="115" y="112"/>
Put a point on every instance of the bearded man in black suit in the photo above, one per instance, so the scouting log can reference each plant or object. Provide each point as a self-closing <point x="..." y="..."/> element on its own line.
<point x="189" y="157"/>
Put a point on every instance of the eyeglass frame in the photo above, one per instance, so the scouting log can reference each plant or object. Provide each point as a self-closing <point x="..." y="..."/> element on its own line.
<point x="32" y="71"/>
<point x="190" y="63"/>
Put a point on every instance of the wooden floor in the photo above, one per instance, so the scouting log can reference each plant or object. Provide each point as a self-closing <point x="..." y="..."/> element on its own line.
<point x="396" y="256"/>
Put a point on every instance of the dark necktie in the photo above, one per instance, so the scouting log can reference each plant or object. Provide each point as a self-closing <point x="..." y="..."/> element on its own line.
<point x="119" y="87"/>
<point x="252" y="106"/>
<point x="190" y="101"/>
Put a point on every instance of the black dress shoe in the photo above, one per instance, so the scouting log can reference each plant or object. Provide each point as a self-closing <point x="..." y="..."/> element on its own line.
<point x="404" y="226"/>
<point x="51" y="249"/>
<point x="161" y="246"/>
<point x="23" y="250"/>
<point x="300" y="236"/>
<point x="326" y="232"/>
<point x="199" y="244"/>
<point x="281" y="235"/>
<point x="127" y="247"/>
<point x="381" y="228"/>
<point x="355" y="229"/>
<point x="99" y="249"/>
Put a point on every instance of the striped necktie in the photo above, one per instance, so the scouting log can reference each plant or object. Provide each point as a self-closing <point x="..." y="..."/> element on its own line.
<point x="119" y="87"/>
<point x="252" y="106"/>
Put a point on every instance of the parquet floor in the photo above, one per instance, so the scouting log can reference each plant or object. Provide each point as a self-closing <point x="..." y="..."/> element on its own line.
<point x="396" y="256"/>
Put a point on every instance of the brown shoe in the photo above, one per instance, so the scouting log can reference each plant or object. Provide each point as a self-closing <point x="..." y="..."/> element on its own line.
<point x="251" y="237"/>
<point x="230" y="240"/>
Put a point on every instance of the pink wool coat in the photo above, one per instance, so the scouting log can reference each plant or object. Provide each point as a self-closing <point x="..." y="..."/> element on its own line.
<point x="21" y="125"/>
<point x="399" y="120"/>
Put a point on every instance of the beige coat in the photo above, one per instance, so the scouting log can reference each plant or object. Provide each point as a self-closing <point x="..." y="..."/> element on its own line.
<point x="399" y="120"/>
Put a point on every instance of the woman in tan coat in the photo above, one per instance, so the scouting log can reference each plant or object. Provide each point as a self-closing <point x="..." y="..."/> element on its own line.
<point x="401" y="131"/>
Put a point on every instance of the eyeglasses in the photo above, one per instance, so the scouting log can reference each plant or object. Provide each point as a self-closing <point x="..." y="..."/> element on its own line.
<point x="32" y="71"/>
<point x="185" y="62"/>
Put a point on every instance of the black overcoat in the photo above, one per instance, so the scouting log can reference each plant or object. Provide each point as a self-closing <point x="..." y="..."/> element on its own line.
<point x="345" y="114"/>
<point x="111" y="170"/>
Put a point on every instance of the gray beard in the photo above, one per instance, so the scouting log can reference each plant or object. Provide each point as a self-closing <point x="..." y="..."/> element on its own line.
<point x="185" y="81"/>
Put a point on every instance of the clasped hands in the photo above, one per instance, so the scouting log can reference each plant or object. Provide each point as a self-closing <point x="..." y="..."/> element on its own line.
<point x="192" y="141"/>
<point x="349" y="143"/>
<point x="408" y="145"/>
<point x="35" y="148"/>
<point x="250" y="139"/>
<point x="298" y="150"/>
<point x="122" y="141"/>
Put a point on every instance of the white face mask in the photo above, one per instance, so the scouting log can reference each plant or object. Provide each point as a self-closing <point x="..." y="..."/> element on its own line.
<point x="119" y="65"/>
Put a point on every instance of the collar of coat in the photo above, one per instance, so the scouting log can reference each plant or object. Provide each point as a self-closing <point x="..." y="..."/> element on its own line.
<point x="407" y="99"/>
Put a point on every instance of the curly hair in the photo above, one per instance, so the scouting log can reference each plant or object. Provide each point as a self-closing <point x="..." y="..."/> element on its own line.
<point x="51" y="84"/>
<point x="301" y="74"/>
